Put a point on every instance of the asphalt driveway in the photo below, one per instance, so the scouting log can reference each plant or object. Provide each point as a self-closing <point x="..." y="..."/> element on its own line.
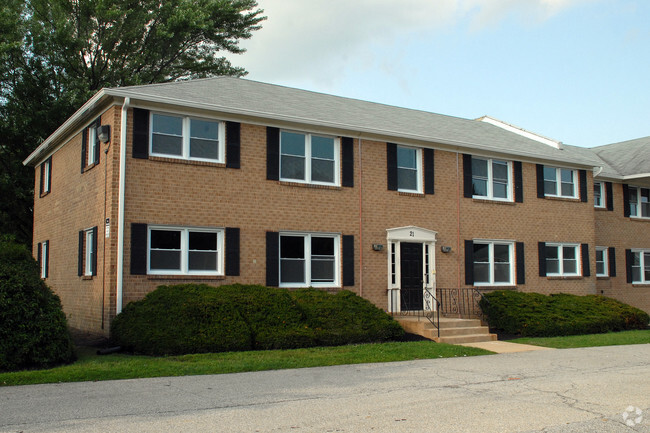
<point x="572" y="390"/>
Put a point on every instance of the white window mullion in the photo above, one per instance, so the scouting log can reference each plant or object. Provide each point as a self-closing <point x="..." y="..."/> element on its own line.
<point x="307" y="240"/>
<point x="308" y="161"/>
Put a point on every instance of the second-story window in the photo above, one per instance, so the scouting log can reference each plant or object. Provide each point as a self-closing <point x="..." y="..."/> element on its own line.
<point x="409" y="169"/>
<point x="308" y="158"/>
<point x="187" y="138"/>
<point x="639" y="202"/>
<point x="598" y="195"/>
<point x="491" y="179"/>
<point x="559" y="182"/>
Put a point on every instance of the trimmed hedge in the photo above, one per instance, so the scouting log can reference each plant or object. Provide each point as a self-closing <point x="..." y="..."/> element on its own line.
<point x="190" y="318"/>
<point x="537" y="315"/>
<point x="33" y="327"/>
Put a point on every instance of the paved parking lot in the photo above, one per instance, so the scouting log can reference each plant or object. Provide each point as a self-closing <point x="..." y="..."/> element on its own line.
<point x="572" y="390"/>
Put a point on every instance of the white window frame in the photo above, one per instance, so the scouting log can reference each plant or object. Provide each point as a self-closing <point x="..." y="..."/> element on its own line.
<point x="307" y="259"/>
<point x="418" y="169"/>
<point x="637" y="203"/>
<point x="491" y="262"/>
<point x="490" y="179"/>
<point x="184" y="250"/>
<point x="45" y="252"/>
<point x="600" y="195"/>
<point x="642" y="265"/>
<point x="558" y="182"/>
<point x="561" y="272"/>
<point x="605" y="261"/>
<point x="88" y="253"/>
<point x="186" y="137"/>
<point x="308" y="158"/>
<point x="46" y="167"/>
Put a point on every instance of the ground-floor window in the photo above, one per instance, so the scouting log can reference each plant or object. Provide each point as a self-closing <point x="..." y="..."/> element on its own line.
<point x="309" y="259"/>
<point x="601" y="262"/>
<point x="640" y="266"/>
<point x="493" y="262"/>
<point x="562" y="259"/>
<point x="175" y="250"/>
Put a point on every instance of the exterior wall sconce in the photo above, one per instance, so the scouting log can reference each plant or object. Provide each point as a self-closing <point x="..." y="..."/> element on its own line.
<point x="377" y="247"/>
<point x="104" y="133"/>
<point x="445" y="249"/>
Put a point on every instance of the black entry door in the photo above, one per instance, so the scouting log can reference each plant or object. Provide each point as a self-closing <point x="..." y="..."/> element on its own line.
<point x="411" y="276"/>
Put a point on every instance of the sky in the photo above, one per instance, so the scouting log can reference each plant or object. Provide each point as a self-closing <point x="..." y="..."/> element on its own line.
<point x="576" y="71"/>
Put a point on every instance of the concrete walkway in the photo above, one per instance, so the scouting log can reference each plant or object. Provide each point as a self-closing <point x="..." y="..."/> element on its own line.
<point x="505" y="347"/>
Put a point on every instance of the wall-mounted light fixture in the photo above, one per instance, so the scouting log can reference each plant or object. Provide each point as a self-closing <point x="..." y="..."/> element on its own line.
<point x="445" y="249"/>
<point x="104" y="133"/>
<point x="377" y="247"/>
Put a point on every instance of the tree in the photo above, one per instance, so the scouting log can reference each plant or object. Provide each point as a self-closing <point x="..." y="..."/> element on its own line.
<point x="54" y="54"/>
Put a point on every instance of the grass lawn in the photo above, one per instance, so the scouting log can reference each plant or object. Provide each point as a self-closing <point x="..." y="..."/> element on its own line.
<point x="591" y="340"/>
<point x="92" y="367"/>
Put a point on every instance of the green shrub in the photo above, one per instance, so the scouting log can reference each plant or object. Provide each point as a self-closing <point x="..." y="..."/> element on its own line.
<point x="200" y="318"/>
<point x="537" y="315"/>
<point x="33" y="327"/>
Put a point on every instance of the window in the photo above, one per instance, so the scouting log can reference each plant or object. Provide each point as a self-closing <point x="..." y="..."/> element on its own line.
<point x="602" y="262"/>
<point x="87" y="259"/>
<point x="599" y="195"/>
<point x="89" y="253"/>
<point x="174" y="250"/>
<point x="187" y="138"/>
<point x="93" y="145"/>
<point x="46" y="176"/>
<point x="639" y="202"/>
<point x="493" y="262"/>
<point x="308" y="158"/>
<point x="640" y="266"/>
<point x="43" y="258"/>
<point x="309" y="260"/>
<point x="562" y="260"/>
<point x="559" y="182"/>
<point x="491" y="179"/>
<point x="409" y="169"/>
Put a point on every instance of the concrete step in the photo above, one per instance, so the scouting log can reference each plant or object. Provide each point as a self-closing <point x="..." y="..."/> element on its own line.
<point x="452" y="331"/>
<point x="473" y="330"/>
<point x="477" y="338"/>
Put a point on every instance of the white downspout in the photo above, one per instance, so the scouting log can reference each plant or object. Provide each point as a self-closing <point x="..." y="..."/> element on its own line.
<point x="120" y="224"/>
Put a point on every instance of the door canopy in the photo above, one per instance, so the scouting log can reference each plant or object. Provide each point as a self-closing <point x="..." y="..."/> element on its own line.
<point x="411" y="234"/>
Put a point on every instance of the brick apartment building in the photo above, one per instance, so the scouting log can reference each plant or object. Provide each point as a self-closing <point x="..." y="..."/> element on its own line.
<point x="227" y="180"/>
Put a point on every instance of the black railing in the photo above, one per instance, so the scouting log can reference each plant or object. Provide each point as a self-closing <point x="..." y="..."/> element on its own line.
<point x="461" y="302"/>
<point x="427" y="310"/>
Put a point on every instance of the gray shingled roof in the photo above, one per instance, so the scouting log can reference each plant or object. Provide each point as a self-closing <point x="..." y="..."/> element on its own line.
<point x="628" y="158"/>
<point x="240" y="96"/>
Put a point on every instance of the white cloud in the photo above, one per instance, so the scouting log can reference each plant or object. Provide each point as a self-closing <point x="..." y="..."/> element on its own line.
<point x="314" y="42"/>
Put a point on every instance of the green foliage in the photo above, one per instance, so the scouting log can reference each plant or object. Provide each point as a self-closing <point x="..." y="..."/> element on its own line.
<point x="54" y="54"/>
<point x="33" y="328"/>
<point x="537" y="315"/>
<point x="199" y="318"/>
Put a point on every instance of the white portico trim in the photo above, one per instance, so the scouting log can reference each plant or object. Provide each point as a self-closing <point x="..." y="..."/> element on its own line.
<point x="411" y="235"/>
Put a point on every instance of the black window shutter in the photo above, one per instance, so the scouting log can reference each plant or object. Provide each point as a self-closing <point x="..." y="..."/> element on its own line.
<point x="429" y="172"/>
<point x="272" y="259"/>
<point x="80" y="257"/>
<point x="610" y="196"/>
<point x="540" y="180"/>
<point x="139" y="241"/>
<point x="42" y="177"/>
<point x="584" y="248"/>
<point x="232" y="251"/>
<point x="628" y="264"/>
<point x="519" y="182"/>
<point x="468" y="188"/>
<point x="233" y="144"/>
<point x="272" y="154"/>
<point x="84" y="147"/>
<point x="469" y="262"/>
<point x="611" y="259"/>
<point x="94" y="247"/>
<point x="584" y="197"/>
<point x="626" y="200"/>
<point x="541" y="250"/>
<point x="47" y="260"/>
<point x="391" y="166"/>
<point x="140" y="133"/>
<point x="521" y="263"/>
<point x="348" y="260"/>
<point x="39" y="252"/>
<point x="98" y="123"/>
<point x="347" y="162"/>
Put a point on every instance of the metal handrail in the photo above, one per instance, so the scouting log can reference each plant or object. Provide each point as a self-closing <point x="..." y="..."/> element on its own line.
<point x="433" y="316"/>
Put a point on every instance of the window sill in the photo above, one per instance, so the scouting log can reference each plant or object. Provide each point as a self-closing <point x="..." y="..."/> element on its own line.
<point x="640" y="219"/>
<point x="86" y="277"/>
<point x="90" y="167"/>
<point x="559" y="277"/>
<point x="602" y="277"/>
<point x="44" y="194"/>
<point x="487" y="200"/>
<point x="187" y="161"/>
<point x="495" y="287"/>
<point x="411" y="194"/>
<point x="186" y="277"/>
<point x="640" y="285"/>
<point x="600" y="209"/>
<point x="309" y="185"/>
<point x="557" y="198"/>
